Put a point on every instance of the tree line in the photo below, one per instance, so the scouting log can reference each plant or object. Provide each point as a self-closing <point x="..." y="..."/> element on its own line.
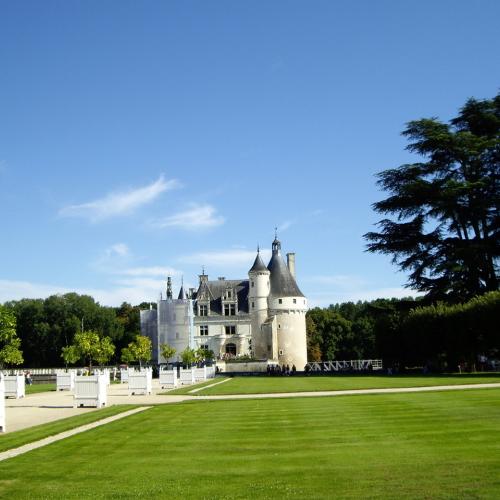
<point x="46" y="328"/>
<point x="406" y="332"/>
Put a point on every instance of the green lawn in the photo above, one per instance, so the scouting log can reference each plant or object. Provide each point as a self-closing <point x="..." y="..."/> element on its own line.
<point x="35" y="388"/>
<point x="19" y="438"/>
<point x="390" y="446"/>
<point x="264" y="384"/>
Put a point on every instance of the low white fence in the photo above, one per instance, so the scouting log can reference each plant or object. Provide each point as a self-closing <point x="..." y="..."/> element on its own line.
<point x="14" y="386"/>
<point x="341" y="366"/>
<point x="140" y="382"/>
<point x="168" y="378"/>
<point x="187" y="376"/>
<point x="91" y="391"/>
<point x="65" y="381"/>
<point x="2" y="403"/>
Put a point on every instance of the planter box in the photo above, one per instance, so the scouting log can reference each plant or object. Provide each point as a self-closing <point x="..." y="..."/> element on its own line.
<point x="140" y="382"/>
<point x="211" y="371"/>
<point x="124" y="376"/>
<point x="187" y="376"/>
<point x="168" y="378"/>
<point x="200" y="374"/>
<point x="14" y="386"/>
<point x="91" y="391"/>
<point x="65" y="381"/>
<point x="2" y="404"/>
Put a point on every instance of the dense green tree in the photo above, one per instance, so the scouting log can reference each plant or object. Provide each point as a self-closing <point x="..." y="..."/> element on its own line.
<point x="188" y="356"/>
<point x="10" y="343"/>
<point x="444" y="228"/>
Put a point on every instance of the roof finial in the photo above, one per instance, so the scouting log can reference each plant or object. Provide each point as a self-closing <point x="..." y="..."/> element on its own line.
<point x="258" y="248"/>
<point x="275" y="232"/>
<point x="203" y="270"/>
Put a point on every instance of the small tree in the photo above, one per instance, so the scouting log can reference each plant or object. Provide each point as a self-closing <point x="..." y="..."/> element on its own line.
<point x="10" y="343"/>
<point x="167" y="351"/>
<point x="202" y="355"/>
<point x="188" y="356"/>
<point x="70" y="355"/>
<point x="139" y="350"/>
<point x="127" y="356"/>
<point x="87" y="345"/>
<point x="105" y="351"/>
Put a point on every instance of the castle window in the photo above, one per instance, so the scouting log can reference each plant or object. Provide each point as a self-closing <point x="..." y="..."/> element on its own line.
<point x="203" y="330"/>
<point x="176" y="335"/>
<point x="230" y="330"/>
<point x="203" y="310"/>
<point x="231" y="349"/>
<point x="294" y="301"/>
<point x="229" y="294"/>
<point x="229" y="309"/>
<point x="253" y="304"/>
<point x="280" y="301"/>
<point x="204" y="347"/>
<point x="253" y="284"/>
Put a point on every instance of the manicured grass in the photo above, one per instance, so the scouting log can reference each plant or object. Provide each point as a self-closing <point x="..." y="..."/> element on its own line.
<point x="391" y="446"/>
<point x="264" y="384"/>
<point x="188" y="388"/>
<point x="35" y="388"/>
<point x="19" y="438"/>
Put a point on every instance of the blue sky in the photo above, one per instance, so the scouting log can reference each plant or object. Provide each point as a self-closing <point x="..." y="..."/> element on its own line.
<point x="140" y="139"/>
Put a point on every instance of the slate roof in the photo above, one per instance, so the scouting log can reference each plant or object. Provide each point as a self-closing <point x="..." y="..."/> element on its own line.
<point x="258" y="265"/>
<point x="282" y="282"/>
<point x="216" y="290"/>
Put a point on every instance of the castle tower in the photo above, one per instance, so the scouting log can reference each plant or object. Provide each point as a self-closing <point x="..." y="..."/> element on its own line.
<point x="258" y="292"/>
<point x="288" y="306"/>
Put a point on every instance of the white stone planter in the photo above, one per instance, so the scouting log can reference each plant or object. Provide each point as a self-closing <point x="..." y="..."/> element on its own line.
<point x="124" y="375"/>
<point x="65" y="381"/>
<point x="140" y="382"/>
<point x="2" y="403"/>
<point x="14" y="386"/>
<point x="211" y="371"/>
<point x="91" y="391"/>
<point x="200" y="374"/>
<point x="168" y="379"/>
<point x="187" y="376"/>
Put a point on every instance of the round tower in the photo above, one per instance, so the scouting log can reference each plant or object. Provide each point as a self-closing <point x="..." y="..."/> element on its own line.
<point x="258" y="292"/>
<point x="288" y="305"/>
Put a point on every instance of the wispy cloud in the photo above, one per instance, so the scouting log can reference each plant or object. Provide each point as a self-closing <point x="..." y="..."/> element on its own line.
<point x="118" y="249"/>
<point x="120" y="203"/>
<point x="225" y="258"/>
<point x="150" y="271"/>
<point x="195" y="217"/>
<point x="285" y="225"/>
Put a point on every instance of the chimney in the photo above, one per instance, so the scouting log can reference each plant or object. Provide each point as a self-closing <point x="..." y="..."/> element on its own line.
<point x="290" y="260"/>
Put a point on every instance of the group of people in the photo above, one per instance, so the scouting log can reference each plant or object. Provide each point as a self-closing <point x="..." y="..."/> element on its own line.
<point x="281" y="370"/>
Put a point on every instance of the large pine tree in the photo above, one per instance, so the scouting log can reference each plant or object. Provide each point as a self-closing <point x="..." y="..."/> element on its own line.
<point x="444" y="225"/>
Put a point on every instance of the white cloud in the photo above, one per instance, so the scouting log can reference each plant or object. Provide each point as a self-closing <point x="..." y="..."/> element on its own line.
<point x="226" y="258"/>
<point x="120" y="203"/>
<point x="149" y="271"/>
<point x="285" y="225"/>
<point x="118" y="249"/>
<point x="196" y="217"/>
<point x="135" y="293"/>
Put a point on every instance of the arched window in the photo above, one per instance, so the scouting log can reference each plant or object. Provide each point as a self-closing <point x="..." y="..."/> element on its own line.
<point x="231" y="349"/>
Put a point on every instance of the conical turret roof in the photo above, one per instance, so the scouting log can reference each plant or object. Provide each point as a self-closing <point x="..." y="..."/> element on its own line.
<point x="182" y="294"/>
<point x="283" y="283"/>
<point x="258" y="265"/>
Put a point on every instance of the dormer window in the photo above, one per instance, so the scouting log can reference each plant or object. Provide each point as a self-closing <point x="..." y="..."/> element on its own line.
<point x="203" y="310"/>
<point x="229" y="309"/>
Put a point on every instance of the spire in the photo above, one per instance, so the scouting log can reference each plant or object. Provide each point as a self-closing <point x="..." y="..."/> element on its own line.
<point x="258" y="265"/>
<point x="276" y="243"/>
<point x="169" y="288"/>
<point x="182" y="292"/>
